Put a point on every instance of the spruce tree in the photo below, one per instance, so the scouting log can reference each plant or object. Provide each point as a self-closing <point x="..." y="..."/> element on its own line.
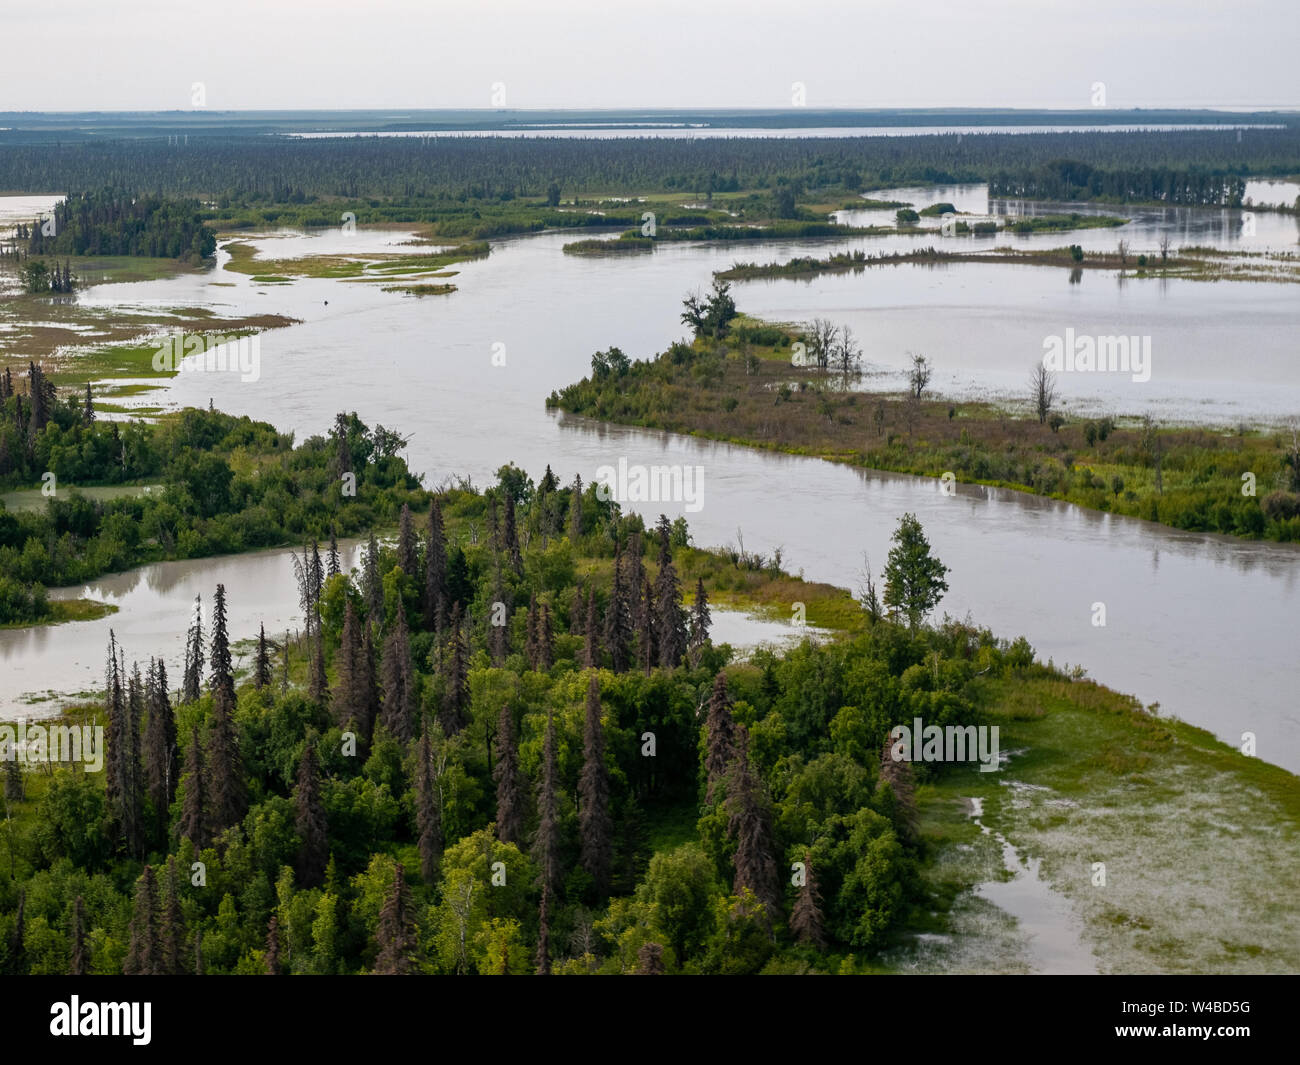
<point x="645" y="629"/>
<point x="428" y="814"/>
<point x="349" y="700"/>
<point x="77" y="963"/>
<point x="310" y="821"/>
<point x="332" y="568"/>
<point x="171" y="922"/>
<point x="132" y="772"/>
<point x="670" y="619"/>
<point x="408" y="557"/>
<point x="594" y="820"/>
<point x="227" y="799"/>
<point x="115" y="732"/>
<point x="192" y="678"/>
<point x="272" y="957"/>
<point x="318" y="679"/>
<point x="161" y="756"/>
<point x="369" y="685"/>
<point x="575" y="511"/>
<point x="395" y="934"/>
<point x="510" y="792"/>
<point x="544" y="933"/>
<point x="650" y="960"/>
<point x="512" y="538"/>
<point x="223" y="676"/>
<point x="701" y="619"/>
<point x="618" y="618"/>
<point x="546" y="841"/>
<point x="749" y="826"/>
<point x="897" y="776"/>
<point x="372" y="586"/>
<point x="14" y="789"/>
<point x="720" y="736"/>
<point x="144" y="956"/>
<point x="455" y="699"/>
<point x="194" y="816"/>
<point x="398" y="712"/>
<point x="262" y="667"/>
<point x="806" y="924"/>
<point x="435" y="572"/>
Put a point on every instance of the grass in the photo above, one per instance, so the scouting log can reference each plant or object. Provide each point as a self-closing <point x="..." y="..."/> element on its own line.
<point x="1199" y="841"/>
<point x="421" y="290"/>
<point x="244" y="260"/>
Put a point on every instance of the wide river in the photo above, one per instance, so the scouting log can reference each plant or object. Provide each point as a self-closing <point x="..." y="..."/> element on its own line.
<point x="1201" y="624"/>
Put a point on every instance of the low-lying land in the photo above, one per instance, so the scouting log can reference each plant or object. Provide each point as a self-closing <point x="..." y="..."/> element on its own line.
<point x="1189" y="264"/>
<point x="745" y="390"/>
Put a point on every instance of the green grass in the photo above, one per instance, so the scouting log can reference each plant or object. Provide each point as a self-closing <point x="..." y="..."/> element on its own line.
<point x="65" y="610"/>
<point x="35" y="498"/>
<point x="1200" y="841"/>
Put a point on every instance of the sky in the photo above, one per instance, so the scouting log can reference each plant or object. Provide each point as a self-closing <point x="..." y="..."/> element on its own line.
<point x="255" y="54"/>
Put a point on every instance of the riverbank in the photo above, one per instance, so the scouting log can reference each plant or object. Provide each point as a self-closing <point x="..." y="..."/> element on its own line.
<point x="747" y="392"/>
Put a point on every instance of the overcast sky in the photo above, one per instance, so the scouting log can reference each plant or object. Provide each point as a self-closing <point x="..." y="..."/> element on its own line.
<point x="145" y="54"/>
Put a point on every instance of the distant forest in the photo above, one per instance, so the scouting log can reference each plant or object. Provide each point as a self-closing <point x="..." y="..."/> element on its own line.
<point x="266" y="169"/>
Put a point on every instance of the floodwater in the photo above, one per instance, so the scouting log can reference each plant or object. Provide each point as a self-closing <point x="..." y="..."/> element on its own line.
<point x="1203" y="625"/>
<point x="1051" y="931"/>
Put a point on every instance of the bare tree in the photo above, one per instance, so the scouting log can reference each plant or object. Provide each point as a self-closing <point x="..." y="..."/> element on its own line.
<point x="822" y="334"/>
<point x="847" y="353"/>
<point x="1164" y="246"/>
<point x="1122" y="248"/>
<point x="1042" y="384"/>
<point x="918" y="377"/>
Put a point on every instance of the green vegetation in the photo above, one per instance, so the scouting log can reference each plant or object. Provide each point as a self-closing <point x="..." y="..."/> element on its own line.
<point x="227" y="485"/>
<point x="1189" y="264"/>
<point x="748" y="392"/>
<point x="631" y="241"/>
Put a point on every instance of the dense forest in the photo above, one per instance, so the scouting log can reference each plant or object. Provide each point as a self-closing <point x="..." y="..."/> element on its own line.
<point x="228" y="484"/>
<point x="110" y="222"/>
<point x="1070" y="180"/>
<point x="426" y="172"/>
<point x="504" y="743"/>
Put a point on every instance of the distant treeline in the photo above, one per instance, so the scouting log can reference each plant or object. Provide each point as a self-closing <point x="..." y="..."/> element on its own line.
<point x="1068" y="179"/>
<point x="241" y="169"/>
<point x="112" y="222"/>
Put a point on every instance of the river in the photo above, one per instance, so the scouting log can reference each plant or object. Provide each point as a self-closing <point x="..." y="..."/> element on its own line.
<point x="1201" y="624"/>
